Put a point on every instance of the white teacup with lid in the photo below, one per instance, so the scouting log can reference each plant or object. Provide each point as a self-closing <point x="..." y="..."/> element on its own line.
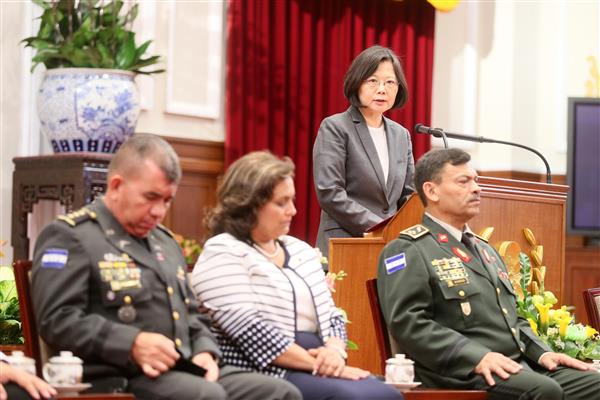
<point x="64" y="369"/>
<point x="399" y="369"/>
<point x="19" y="360"/>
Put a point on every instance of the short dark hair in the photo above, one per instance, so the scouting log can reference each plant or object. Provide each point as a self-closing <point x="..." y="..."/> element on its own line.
<point x="247" y="186"/>
<point x="431" y="164"/>
<point x="365" y="65"/>
<point x="145" y="146"/>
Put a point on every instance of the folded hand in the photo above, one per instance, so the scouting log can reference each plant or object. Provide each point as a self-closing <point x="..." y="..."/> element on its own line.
<point x="328" y="362"/>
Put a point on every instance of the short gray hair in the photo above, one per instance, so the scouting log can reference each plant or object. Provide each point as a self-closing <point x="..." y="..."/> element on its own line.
<point x="145" y="146"/>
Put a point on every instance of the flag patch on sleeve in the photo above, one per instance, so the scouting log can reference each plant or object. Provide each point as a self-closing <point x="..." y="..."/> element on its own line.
<point x="55" y="258"/>
<point x="395" y="263"/>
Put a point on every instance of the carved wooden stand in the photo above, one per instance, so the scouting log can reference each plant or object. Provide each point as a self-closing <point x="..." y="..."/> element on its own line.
<point x="73" y="179"/>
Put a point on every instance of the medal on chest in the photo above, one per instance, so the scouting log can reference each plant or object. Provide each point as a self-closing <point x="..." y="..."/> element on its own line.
<point x="127" y="312"/>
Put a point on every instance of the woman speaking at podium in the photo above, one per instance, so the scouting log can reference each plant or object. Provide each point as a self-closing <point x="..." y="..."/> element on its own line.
<point x="362" y="161"/>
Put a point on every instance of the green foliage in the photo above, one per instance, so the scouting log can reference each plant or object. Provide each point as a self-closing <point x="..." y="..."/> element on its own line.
<point x="190" y="248"/>
<point x="331" y="278"/>
<point x="10" y="316"/>
<point x="525" y="307"/>
<point x="555" y="326"/>
<point x="88" y="34"/>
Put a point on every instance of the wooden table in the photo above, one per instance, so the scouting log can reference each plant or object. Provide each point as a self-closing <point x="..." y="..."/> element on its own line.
<point x="97" y="396"/>
<point x="442" y="394"/>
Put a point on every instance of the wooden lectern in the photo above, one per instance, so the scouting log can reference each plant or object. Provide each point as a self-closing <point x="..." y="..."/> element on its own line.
<point x="507" y="205"/>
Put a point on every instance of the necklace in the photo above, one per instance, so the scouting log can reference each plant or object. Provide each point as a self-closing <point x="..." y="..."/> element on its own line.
<point x="265" y="253"/>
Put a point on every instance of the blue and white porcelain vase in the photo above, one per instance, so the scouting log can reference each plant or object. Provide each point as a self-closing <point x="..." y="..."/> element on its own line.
<point x="88" y="110"/>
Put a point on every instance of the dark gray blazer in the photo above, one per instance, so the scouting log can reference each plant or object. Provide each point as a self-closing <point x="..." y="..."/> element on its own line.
<point x="348" y="177"/>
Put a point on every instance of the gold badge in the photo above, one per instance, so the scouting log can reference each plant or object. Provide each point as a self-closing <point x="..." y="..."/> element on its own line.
<point x="466" y="308"/>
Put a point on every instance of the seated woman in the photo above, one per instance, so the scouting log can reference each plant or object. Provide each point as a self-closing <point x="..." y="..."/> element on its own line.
<point x="265" y="291"/>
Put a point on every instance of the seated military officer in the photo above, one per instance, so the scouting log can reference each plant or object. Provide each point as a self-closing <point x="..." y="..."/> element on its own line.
<point x="109" y="284"/>
<point x="449" y="305"/>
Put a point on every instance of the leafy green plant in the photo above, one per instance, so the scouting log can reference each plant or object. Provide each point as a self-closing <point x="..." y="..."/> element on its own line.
<point x="555" y="326"/>
<point x="90" y="34"/>
<point x="331" y="278"/>
<point x="190" y="248"/>
<point x="10" y="316"/>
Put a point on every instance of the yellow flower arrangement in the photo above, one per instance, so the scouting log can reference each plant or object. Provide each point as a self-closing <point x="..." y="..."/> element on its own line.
<point x="555" y="326"/>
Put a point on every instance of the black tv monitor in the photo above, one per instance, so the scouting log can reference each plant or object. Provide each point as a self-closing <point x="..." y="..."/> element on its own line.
<point x="583" y="167"/>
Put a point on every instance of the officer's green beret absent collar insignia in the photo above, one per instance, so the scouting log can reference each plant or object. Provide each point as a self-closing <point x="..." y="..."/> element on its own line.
<point x="415" y="231"/>
<point x="77" y="217"/>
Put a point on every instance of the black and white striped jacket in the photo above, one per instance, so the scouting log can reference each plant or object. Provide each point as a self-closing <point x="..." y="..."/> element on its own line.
<point x="251" y="301"/>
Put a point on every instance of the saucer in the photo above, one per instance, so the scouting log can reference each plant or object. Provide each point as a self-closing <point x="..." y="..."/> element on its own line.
<point x="404" y="385"/>
<point x="80" y="387"/>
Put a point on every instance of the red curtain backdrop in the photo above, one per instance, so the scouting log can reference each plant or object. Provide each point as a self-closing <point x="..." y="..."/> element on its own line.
<point x="286" y="61"/>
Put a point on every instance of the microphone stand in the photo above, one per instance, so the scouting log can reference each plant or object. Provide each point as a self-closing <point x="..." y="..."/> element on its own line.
<point x="438" y="132"/>
<point x="443" y="135"/>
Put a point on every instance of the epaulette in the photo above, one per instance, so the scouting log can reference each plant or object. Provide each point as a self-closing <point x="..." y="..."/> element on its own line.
<point x="78" y="216"/>
<point x="167" y="230"/>
<point x="415" y="231"/>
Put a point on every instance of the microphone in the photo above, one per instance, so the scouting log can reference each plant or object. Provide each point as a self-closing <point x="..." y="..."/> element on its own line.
<point x="439" y="132"/>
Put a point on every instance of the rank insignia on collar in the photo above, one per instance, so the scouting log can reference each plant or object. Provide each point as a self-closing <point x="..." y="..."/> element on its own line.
<point x="415" y="231"/>
<point x="442" y="238"/>
<point x="461" y="254"/>
<point x="159" y="256"/>
<point x="502" y="274"/>
<point x="486" y="255"/>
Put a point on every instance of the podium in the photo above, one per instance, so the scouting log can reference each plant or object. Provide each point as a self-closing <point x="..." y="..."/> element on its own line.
<point x="507" y="205"/>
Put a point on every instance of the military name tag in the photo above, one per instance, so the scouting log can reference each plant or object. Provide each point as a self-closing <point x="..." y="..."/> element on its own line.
<point x="116" y="286"/>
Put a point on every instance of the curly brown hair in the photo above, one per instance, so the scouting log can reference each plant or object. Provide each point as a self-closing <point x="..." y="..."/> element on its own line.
<point x="247" y="186"/>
